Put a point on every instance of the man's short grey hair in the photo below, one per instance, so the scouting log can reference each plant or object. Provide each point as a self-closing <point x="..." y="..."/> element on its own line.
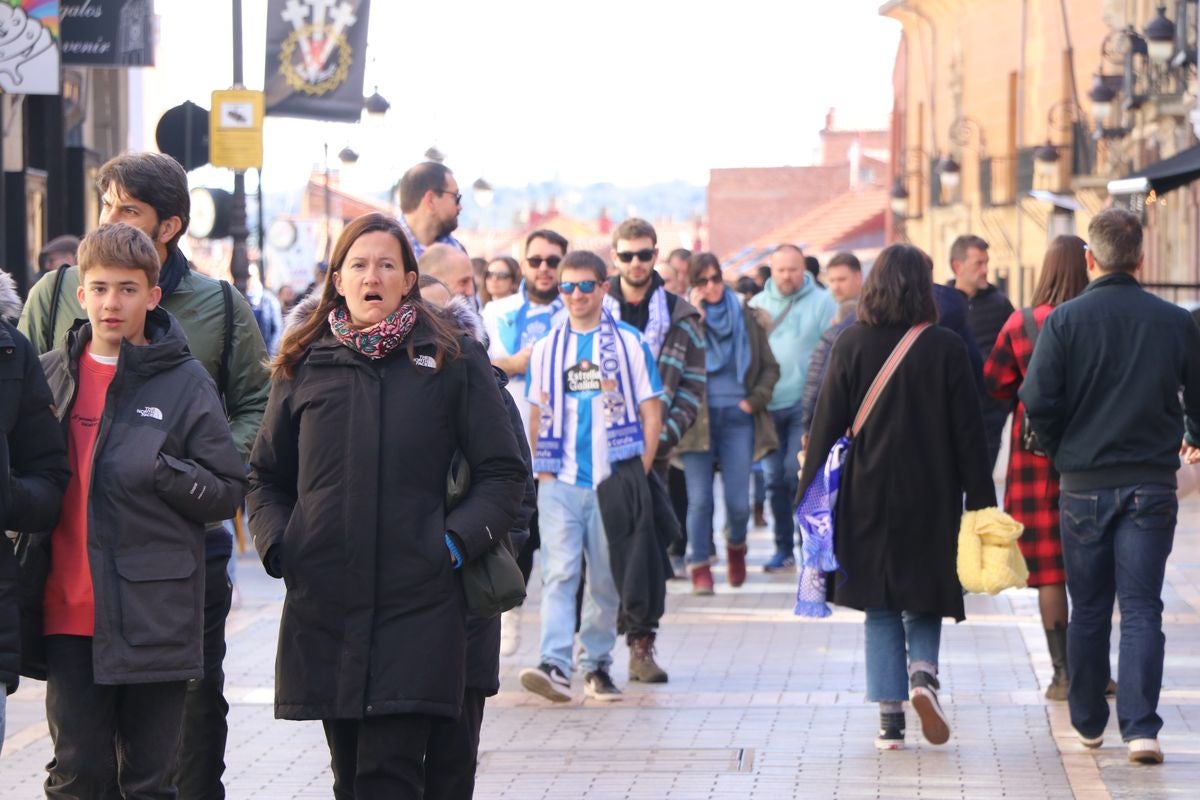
<point x="437" y="259"/>
<point x="958" y="250"/>
<point x="1115" y="239"/>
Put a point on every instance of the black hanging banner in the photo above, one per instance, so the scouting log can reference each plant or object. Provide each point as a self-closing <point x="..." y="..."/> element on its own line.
<point x="107" y="33"/>
<point x="316" y="53"/>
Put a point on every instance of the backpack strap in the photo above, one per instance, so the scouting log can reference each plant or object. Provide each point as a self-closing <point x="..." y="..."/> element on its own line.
<point x="885" y="374"/>
<point x="1031" y="327"/>
<point x="54" y="298"/>
<point x="227" y="342"/>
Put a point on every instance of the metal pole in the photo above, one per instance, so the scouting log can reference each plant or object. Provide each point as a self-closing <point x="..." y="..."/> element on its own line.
<point x="262" y="235"/>
<point x="328" y="223"/>
<point x="239" y="262"/>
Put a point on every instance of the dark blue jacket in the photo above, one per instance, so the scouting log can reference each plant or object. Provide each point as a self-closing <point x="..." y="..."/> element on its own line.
<point x="1103" y="388"/>
<point x="952" y="314"/>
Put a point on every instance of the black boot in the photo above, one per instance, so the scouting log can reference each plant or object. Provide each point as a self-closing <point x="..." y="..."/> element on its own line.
<point x="1056" y="642"/>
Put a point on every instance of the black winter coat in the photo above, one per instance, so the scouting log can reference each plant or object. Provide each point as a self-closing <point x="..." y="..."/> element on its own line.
<point x="33" y="474"/>
<point x="901" y="496"/>
<point x="164" y="466"/>
<point x="348" y="477"/>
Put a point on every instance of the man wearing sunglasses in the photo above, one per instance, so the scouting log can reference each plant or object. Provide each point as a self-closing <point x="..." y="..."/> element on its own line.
<point x="670" y="328"/>
<point x="429" y="206"/>
<point x="594" y="436"/>
<point x="798" y="312"/>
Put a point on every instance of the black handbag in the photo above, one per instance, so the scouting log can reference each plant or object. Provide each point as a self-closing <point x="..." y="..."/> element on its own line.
<point x="1028" y="439"/>
<point x="492" y="583"/>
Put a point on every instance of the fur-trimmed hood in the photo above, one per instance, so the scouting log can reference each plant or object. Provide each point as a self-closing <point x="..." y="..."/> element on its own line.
<point x="460" y="310"/>
<point x="10" y="301"/>
<point x="301" y="311"/>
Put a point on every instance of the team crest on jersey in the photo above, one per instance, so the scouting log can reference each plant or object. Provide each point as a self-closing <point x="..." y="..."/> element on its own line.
<point x="315" y="57"/>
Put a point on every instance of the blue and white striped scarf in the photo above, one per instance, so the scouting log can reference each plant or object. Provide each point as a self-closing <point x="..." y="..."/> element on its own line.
<point x="623" y="429"/>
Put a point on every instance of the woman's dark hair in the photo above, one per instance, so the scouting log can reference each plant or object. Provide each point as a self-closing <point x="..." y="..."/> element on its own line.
<point x="514" y="273"/>
<point x="699" y="263"/>
<point x="899" y="289"/>
<point x="298" y="339"/>
<point x="1064" y="272"/>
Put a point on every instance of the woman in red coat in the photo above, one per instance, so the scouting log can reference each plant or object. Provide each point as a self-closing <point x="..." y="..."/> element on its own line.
<point x="1031" y="488"/>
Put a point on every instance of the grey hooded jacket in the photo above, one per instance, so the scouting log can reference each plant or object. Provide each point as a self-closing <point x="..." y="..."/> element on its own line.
<point x="164" y="465"/>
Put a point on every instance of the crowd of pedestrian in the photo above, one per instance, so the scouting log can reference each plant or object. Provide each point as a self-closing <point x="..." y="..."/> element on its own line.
<point x="416" y="412"/>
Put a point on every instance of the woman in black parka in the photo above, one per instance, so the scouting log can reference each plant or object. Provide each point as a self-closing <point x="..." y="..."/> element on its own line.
<point x="902" y="486"/>
<point x="371" y="396"/>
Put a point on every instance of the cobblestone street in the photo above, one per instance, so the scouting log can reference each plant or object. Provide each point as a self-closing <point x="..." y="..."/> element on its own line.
<point x="760" y="705"/>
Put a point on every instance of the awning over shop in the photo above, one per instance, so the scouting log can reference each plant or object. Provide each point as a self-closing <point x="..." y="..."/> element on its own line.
<point x="1171" y="173"/>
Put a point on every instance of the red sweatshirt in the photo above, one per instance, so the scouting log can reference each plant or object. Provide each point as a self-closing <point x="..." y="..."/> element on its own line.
<point x="70" y="605"/>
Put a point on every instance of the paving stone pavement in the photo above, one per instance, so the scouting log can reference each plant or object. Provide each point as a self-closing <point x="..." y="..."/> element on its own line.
<point x="760" y="705"/>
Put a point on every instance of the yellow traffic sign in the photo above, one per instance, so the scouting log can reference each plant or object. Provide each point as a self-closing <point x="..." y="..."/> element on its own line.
<point x="235" y="125"/>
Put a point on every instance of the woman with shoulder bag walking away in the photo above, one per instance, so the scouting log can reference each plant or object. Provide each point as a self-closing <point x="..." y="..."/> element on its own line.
<point x="372" y="394"/>
<point x="900" y="498"/>
<point x="1031" y="488"/>
<point x="733" y="426"/>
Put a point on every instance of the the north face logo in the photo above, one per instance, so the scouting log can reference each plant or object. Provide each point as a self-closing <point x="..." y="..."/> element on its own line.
<point x="425" y="361"/>
<point x="150" y="411"/>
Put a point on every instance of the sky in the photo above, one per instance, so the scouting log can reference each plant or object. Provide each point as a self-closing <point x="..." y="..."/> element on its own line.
<point x="630" y="92"/>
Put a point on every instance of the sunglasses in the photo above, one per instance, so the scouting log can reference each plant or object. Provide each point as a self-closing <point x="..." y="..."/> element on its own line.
<point x="713" y="279"/>
<point x="456" y="195"/>
<point x="552" y="261"/>
<point x="640" y="255"/>
<point x="502" y="274"/>
<point x="569" y="287"/>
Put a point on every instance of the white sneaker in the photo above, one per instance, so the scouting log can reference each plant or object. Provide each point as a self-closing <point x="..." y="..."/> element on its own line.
<point x="510" y="631"/>
<point x="1145" y="751"/>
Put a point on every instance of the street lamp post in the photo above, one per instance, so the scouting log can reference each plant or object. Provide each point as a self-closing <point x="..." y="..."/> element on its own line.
<point x="239" y="262"/>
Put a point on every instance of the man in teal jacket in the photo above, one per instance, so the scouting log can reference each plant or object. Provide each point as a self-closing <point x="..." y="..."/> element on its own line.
<point x="797" y="311"/>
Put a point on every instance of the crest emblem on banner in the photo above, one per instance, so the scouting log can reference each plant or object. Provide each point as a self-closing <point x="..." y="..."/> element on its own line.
<point x="315" y="57"/>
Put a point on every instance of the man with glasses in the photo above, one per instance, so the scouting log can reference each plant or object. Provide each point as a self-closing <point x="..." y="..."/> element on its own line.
<point x="429" y="206"/>
<point x="798" y="312"/>
<point x="671" y="330"/>
<point x="594" y="438"/>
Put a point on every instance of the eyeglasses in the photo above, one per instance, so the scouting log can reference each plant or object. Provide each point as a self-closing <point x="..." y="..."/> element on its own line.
<point x="456" y="195"/>
<point x="714" y="279"/>
<point x="569" y="287"/>
<point x="501" y="274"/>
<point x="550" y="261"/>
<point x="641" y="255"/>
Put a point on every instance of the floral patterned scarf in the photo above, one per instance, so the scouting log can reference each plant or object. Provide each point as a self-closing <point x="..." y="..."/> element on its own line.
<point x="379" y="339"/>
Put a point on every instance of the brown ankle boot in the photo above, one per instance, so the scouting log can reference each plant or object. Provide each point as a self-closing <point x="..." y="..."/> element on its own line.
<point x="760" y="521"/>
<point x="642" y="666"/>
<point x="735" y="555"/>
<point x="1056" y="642"/>
<point x="702" y="579"/>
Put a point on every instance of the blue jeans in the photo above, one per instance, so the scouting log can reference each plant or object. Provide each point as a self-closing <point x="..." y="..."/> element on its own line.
<point x="1115" y="545"/>
<point x="569" y="518"/>
<point x="730" y="442"/>
<point x="758" y="481"/>
<point x="780" y="467"/>
<point x="894" y="640"/>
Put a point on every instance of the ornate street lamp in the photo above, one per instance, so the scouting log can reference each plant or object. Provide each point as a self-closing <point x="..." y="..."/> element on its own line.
<point x="950" y="172"/>
<point x="898" y="199"/>
<point x="483" y="193"/>
<point x="1045" y="162"/>
<point x="1160" y="38"/>
<point x="1102" y="96"/>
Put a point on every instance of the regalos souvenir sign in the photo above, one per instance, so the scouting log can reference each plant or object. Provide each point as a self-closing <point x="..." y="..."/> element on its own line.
<point x="316" y="52"/>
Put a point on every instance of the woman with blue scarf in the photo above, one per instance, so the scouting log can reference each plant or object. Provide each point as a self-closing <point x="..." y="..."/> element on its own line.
<point x="733" y="427"/>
